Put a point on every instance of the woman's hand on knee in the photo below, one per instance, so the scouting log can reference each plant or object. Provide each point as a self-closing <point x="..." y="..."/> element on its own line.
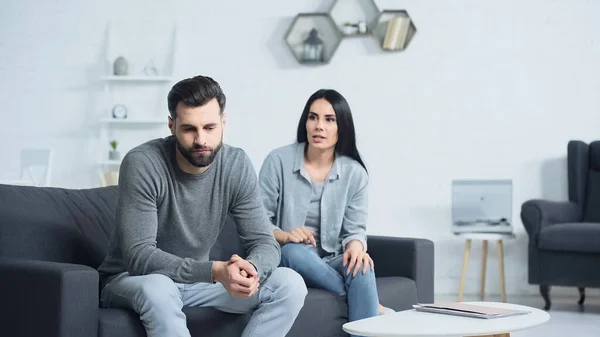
<point x="302" y="234"/>
<point x="356" y="258"/>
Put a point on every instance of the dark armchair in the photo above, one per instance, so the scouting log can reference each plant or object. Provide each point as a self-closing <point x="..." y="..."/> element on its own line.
<point x="564" y="236"/>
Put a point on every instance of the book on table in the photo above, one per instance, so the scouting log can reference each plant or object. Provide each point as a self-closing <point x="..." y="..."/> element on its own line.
<point x="468" y="310"/>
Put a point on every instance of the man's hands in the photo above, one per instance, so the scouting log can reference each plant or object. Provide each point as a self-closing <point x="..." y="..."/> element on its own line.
<point x="238" y="276"/>
<point x="355" y="257"/>
<point x="298" y="235"/>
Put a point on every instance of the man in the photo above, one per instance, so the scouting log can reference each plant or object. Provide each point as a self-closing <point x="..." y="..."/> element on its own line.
<point x="174" y="196"/>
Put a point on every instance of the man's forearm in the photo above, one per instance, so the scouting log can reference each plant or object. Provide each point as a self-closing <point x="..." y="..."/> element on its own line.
<point x="265" y="257"/>
<point x="148" y="259"/>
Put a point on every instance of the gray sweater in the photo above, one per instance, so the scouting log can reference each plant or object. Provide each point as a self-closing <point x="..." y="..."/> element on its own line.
<point x="168" y="220"/>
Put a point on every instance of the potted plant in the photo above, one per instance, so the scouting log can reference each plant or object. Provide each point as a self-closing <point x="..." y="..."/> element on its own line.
<point x="350" y="28"/>
<point x="114" y="154"/>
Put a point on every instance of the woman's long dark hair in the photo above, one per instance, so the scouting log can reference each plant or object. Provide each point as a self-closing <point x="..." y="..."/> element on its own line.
<point x="346" y="144"/>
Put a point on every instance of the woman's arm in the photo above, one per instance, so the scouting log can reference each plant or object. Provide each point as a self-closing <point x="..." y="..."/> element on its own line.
<point x="354" y="224"/>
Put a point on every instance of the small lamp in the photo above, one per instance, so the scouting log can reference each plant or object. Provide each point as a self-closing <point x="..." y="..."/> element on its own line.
<point x="313" y="47"/>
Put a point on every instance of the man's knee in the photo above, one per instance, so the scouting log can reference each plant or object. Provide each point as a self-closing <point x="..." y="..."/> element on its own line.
<point x="156" y="289"/>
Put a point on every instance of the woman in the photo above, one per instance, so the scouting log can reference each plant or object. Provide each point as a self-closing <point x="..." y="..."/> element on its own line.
<point x="315" y="192"/>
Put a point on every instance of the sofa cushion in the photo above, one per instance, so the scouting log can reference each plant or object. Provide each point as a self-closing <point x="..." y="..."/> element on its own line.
<point x="398" y="293"/>
<point x="323" y="314"/>
<point x="119" y="322"/>
<point x="54" y="224"/>
<point x="209" y="322"/>
<point x="201" y="322"/>
<point x="583" y="237"/>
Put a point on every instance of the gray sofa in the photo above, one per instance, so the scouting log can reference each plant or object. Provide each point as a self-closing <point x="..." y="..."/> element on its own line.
<point x="564" y="236"/>
<point x="52" y="240"/>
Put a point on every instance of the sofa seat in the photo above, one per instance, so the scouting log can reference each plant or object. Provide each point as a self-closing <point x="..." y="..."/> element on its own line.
<point x="325" y="305"/>
<point x="580" y="237"/>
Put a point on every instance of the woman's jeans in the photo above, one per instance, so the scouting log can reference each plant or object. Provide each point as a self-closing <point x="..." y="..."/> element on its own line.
<point x="330" y="274"/>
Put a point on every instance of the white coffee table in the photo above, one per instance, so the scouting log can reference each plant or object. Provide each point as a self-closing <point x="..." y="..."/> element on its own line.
<point x="411" y="323"/>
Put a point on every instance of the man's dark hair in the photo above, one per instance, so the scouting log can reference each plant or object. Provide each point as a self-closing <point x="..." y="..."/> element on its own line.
<point x="195" y="92"/>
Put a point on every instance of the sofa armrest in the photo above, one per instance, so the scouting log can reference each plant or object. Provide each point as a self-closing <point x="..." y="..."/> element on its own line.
<point x="538" y="213"/>
<point x="41" y="298"/>
<point x="408" y="257"/>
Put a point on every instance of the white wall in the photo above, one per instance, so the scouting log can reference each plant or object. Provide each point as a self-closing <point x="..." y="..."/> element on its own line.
<point x="487" y="89"/>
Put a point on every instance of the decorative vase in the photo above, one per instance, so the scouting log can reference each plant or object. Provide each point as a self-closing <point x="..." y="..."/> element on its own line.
<point x="114" y="155"/>
<point x="362" y="27"/>
<point x="120" y="66"/>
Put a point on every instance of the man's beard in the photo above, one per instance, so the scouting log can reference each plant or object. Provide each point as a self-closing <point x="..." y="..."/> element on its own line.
<point x="197" y="159"/>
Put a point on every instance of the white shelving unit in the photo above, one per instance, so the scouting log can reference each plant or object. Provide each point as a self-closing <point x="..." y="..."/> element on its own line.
<point x="149" y="122"/>
<point x="110" y="162"/>
<point x="139" y="78"/>
<point x="143" y="116"/>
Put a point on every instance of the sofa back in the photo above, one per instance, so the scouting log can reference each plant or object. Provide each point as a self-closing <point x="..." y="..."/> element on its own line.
<point x="71" y="225"/>
<point x="54" y="224"/>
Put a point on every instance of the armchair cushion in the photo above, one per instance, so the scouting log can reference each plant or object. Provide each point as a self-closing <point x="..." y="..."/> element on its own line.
<point x="582" y="237"/>
<point x="536" y="214"/>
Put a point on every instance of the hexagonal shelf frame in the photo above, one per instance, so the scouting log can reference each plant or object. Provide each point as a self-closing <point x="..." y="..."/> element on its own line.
<point x="300" y="29"/>
<point x="394" y="30"/>
<point x="354" y="17"/>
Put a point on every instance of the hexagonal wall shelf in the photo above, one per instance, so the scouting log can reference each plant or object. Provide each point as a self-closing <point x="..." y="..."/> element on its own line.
<point x="354" y="17"/>
<point x="394" y="30"/>
<point x="313" y="38"/>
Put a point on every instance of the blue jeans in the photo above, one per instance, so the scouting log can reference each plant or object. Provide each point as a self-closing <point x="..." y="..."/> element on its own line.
<point x="360" y="290"/>
<point x="158" y="300"/>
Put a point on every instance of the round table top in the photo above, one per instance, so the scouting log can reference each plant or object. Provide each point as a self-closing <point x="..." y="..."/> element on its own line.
<point x="415" y="323"/>
<point x="487" y="236"/>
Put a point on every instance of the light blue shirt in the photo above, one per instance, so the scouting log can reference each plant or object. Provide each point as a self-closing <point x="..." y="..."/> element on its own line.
<point x="286" y="191"/>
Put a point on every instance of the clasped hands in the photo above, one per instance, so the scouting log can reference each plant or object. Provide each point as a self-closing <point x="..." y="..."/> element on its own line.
<point x="238" y="276"/>
<point x="354" y="256"/>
